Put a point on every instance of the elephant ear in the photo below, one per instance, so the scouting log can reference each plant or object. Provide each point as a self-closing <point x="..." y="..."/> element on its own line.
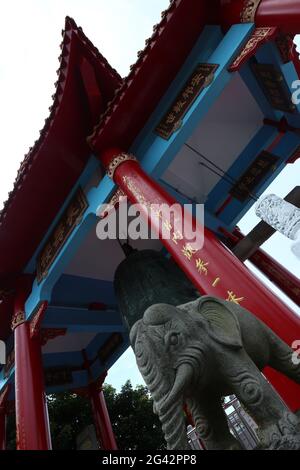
<point x="223" y="323"/>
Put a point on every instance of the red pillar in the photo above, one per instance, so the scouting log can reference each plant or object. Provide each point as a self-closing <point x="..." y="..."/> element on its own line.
<point x="2" y="430"/>
<point x="3" y="408"/>
<point x="102" y="422"/>
<point x="285" y="14"/>
<point x="278" y="274"/>
<point x="213" y="269"/>
<point x="3" y="416"/>
<point x="32" y="421"/>
<point x="274" y="271"/>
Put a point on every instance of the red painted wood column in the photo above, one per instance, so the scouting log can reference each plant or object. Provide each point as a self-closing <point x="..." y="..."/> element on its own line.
<point x="278" y="274"/>
<point x="33" y="432"/>
<point x="213" y="269"/>
<point x="285" y="14"/>
<point x="274" y="271"/>
<point x="102" y="422"/>
<point x="2" y="430"/>
<point x="3" y="412"/>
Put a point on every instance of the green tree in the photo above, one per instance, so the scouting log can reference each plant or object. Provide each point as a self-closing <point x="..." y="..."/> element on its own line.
<point x="135" y="425"/>
<point x="69" y="414"/>
<point x="131" y="413"/>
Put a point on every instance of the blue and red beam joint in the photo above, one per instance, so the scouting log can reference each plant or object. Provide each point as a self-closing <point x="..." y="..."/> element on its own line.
<point x="283" y="14"/>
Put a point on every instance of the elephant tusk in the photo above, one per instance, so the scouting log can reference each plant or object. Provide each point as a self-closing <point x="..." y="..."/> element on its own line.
<point x="184" y="375"/>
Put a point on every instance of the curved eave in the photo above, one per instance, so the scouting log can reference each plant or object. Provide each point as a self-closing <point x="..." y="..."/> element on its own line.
<point x="54" y="163"/>
<point x="150" y="76"/>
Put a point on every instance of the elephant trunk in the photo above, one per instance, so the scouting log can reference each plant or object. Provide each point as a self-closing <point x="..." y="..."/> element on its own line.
<point x="174" y="427"/>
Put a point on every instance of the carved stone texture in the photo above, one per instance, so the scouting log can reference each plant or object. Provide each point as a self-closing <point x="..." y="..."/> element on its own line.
<point x="279" y="214"/>
<point x="196" y="353"/>
<point x="249" y="11"/>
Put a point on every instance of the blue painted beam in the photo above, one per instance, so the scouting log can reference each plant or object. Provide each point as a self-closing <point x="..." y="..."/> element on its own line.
<point x="210" y="221"/>
<point x="89" y="170"/>
<point x="157" y="153"/>
<point x="80" y="380"/>
<point x="262" y="139"/>
<point x="236" y="210"/>
<point x="208" y="41"/>
<point x="269" y="54"/>
<point x="81" y="319"/>
<point x="6" y="380"/>
<point x="82" y="291"/>
<point x="98" y="368"/>
<point x="43" y="290"/>
<point x="63" y="359"/>
<point x="253" y="86"/>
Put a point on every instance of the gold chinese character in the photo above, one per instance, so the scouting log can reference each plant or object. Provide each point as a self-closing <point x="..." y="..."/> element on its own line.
<point x="47" y="254"/>
<point x="59" y="235"/>
<point x="157" y="213"/>
<point x="202" y="266"/>
<point x="72" y="215"/>
<point x="197" y="79"/>
<point x="170" y="118"/>
<point x="262" y="163"/>
<point x="179" y="106"/>
<point x="187" y="92"/>
<point x="233" y="298"/>
<point x="255" y="171"/>
<point x="216" y="282"/>
<point x="167" y="225"/>
<point x="242" y="186"/>
<point x="177" y="236"/>
<point x="188" y="251"/>
<point x="249" y="179"/>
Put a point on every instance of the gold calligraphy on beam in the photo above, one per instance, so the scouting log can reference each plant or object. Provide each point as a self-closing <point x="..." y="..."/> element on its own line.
<point x="167" y="225"/>
<point x="216" y="281"/>
<point x="233" y="297"/>
<point x="158" y="213"/>
<point x="177" y="236"/>
<point x="201" y="266"/>
<point x="188" y="251"/>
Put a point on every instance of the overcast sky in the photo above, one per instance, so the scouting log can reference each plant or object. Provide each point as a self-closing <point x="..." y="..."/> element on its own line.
<point x="30" y="35"/>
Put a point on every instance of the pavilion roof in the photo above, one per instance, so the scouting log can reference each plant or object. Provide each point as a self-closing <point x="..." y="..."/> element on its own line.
<point x="57" y="158"/>
<point x="91" y="100"/>
<point x="155" y="68"/>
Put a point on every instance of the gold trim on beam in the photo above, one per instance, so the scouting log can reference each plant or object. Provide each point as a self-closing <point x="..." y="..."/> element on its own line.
<point x="69" y="220"/>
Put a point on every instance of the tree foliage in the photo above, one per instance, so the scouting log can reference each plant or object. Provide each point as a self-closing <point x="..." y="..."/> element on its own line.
<point x="135" y="425"/>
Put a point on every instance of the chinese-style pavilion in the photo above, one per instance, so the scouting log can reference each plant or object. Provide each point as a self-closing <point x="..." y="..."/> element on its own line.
<point x="205" y="115"/>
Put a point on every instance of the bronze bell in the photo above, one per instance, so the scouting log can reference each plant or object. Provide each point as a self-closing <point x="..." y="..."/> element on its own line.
<point x="147" y="277"/>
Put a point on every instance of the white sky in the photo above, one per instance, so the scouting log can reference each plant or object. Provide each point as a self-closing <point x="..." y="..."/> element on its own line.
<point x="30" y="35"/>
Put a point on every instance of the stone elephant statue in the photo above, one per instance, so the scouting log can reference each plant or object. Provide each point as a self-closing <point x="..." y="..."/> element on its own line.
<point x="196" y="353"/>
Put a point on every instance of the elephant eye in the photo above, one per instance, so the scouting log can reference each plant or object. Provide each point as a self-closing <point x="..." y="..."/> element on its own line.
<point x="173" y="339"/>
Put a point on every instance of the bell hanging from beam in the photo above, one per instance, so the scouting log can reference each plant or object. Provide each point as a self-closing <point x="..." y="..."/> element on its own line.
<point x="146" y="278"/>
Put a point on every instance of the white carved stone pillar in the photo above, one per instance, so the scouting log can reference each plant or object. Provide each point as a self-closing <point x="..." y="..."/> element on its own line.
<point x="279" y="214"/>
